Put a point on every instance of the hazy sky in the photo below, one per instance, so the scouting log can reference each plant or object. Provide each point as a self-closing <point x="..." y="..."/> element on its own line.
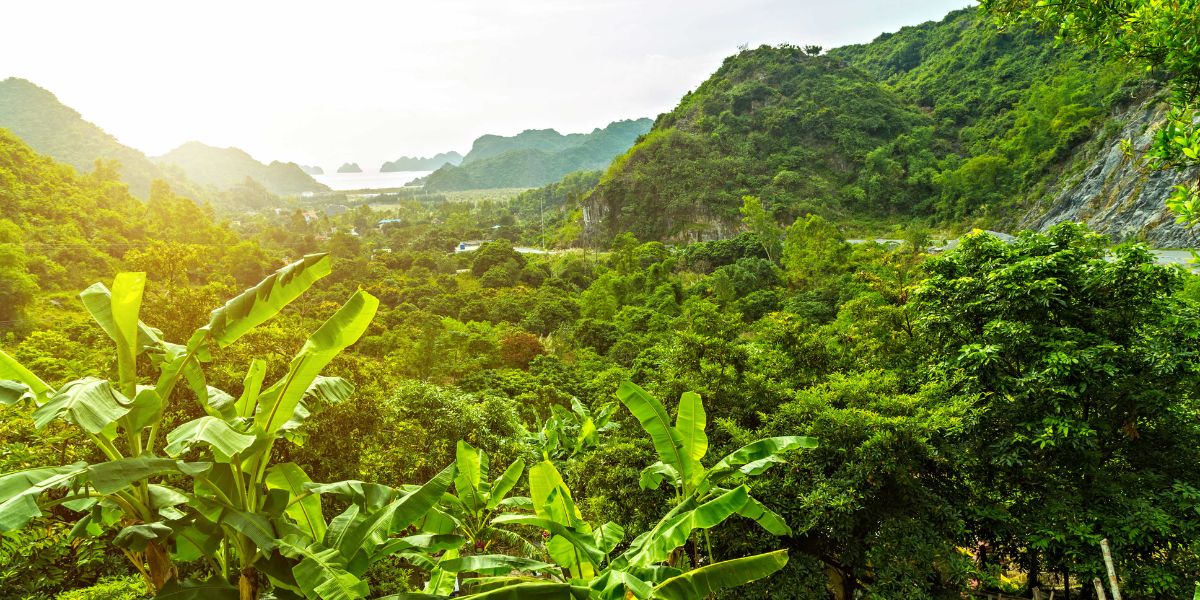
<point x="327" y="82"/>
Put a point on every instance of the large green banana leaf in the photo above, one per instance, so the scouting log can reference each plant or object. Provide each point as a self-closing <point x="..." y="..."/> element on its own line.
<point x="700" y="583"/>
<point x="258" y="304"/>
<point x="690" y="423"/>
<point x="493" y="564"/>
<point x="656" y="545"/>
<point x="369" y="532"/>
<point x="33" y="386"/>
<point x="755" y="457"/>
<point x="765" y="517"/>
<point x="666" y="438"/>
<point x="320" y="572"/>
<point x="90" y="403"/>
<point x="505" y="483"/>
<point x="441" y="581"/>
<point x="468" y="483"/>
<point x="224" y="440"/>
<point x="115" y="475"/>
<point x="304" y="508"/>
<point x="277" y="403"/>
<point x="19" y="492"/>
<point x="367" y="496"/>
<point x="582" y="541"/>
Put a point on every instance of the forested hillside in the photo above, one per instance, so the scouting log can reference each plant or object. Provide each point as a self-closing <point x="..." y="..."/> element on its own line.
<point x="227" y="167"/>
<point x="63" y="230"/>
<point x="535" y="157"/>
<point x="951" y="123"/>
<point x="51" y="128"/>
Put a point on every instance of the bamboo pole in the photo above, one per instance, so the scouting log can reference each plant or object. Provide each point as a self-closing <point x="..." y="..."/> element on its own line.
<point x="1112" y="571"/>
<point x="1099" y="589"/>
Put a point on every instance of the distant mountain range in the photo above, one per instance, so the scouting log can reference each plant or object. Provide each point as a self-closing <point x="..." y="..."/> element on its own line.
<point x="535" y="157"/>
<point x="226" y="167"/>
<point x="50" y="127"/>
<point x="416" y="163"/>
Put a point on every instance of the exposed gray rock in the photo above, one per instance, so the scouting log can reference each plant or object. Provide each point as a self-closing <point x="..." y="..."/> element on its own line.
<point x="1113" y="193"/>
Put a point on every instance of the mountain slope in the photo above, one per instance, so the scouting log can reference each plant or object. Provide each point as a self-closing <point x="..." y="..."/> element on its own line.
<point x="49" y="127"/>
<point x="771" y="121"/>
<point x="227" y="167"/>
<point x="953" y="123"/>
<point x="535" y="157"/>
<point x="73" y="228"/>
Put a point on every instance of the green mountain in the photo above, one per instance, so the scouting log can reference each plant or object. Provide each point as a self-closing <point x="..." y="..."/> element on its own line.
<point x="420" y="163"/>
<point x="226" y="167"/>
<point x="954" y="123"/>
<point x="50" y="127"/>
<point x="349" y="168"/>
<point x="535" y="157"/>
<point x="74" y="228"/>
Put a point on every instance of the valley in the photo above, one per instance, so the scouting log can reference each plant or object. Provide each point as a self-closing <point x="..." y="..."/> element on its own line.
<point x="910" y="318"/>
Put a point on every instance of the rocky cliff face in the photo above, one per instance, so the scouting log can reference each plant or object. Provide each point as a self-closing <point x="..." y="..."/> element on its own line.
<point x="1112" y="192"/>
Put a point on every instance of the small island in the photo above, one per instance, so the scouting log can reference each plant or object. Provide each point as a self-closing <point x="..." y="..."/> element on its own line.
<point x="313" y="170"/>
<point x="350" y="168"/>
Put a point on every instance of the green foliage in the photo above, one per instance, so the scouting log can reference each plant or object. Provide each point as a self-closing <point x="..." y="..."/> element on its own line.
<point x="950" y="120"/>
<point x="128" y="588"/>
<point x="1079" y="365"/>
<point x="227" y="514"/>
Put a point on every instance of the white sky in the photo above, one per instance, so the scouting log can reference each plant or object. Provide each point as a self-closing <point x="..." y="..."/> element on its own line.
<point x="367" y="81"/>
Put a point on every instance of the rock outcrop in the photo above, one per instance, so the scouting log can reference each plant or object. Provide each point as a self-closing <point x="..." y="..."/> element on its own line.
<point x="1112" y="192"/>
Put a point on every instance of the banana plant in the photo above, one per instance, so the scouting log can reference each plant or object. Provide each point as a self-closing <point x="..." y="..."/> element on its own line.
<point x="242" y="515"/>
<point x="682" y="446"/>
<point x="584" y="563"/>
<point x="468" y="511"/>
<point x="568" y="433"/>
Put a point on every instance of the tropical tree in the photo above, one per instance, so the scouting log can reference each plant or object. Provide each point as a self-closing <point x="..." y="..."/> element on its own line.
<point x="1082" y="361"/>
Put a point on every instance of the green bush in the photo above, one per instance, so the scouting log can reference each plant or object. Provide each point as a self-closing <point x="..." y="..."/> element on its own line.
<point x="116" y="588"/>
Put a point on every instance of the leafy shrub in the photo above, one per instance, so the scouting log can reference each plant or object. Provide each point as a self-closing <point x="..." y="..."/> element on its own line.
<point x="118" y="588"/>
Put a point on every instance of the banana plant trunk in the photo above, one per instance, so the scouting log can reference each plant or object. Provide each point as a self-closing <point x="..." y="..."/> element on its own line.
<point x="159" y="562"/>
<point x="248" y="584"/>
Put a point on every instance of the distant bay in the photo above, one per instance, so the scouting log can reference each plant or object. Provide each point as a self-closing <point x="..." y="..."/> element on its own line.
<point x="368" y="180"/>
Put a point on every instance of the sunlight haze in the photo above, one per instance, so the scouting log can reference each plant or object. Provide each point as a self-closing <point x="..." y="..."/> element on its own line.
<point x="371" y="81"/>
